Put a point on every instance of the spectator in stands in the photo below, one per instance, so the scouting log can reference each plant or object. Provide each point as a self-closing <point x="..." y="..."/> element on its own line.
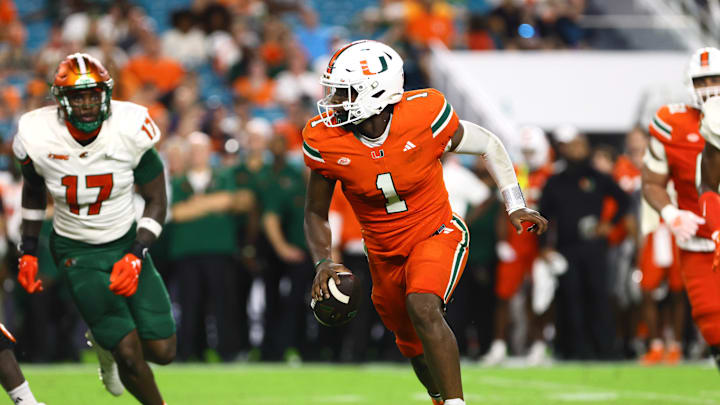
<point x="428" y="20"/>
<point x="479" y="36"/>
<point x="13" y="54"/>
<point x="223" y="51"/>
<point x="297" y="82"/>
<point x="275" y="47"/>
<point x="313" y="37"/>
<point x="573" y="202"/>
<point x="184" y="42"/>
<point x="114" y="26"/>
<point x="8" y="14"/>
<point x="151" y="67"/>
<point x="53" y="51"/>
<point x="257" y="86"/>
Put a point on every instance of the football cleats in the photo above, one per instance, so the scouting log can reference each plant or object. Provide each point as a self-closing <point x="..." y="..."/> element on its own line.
<point x="703" y="63"/>
<point x="82" y="88"/>
<point x="361" y="79"/>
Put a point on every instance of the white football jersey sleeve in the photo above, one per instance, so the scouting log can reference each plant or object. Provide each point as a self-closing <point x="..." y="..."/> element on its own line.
<point x="93" y="185"/>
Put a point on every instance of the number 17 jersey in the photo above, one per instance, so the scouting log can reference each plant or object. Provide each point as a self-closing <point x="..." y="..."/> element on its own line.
<point x="393" y="183"/>
<point x="92" y="185"/>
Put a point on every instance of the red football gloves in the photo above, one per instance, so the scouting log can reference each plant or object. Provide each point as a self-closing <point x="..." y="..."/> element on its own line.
<point x="125" y="275"/>
<point x="28" y="266"/>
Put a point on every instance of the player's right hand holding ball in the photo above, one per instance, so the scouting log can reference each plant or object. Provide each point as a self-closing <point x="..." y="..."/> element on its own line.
<point x="28" y="268"/>
<point x="326" y="269"/>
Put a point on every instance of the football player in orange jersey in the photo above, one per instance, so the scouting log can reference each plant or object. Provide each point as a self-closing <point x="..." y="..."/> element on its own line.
<point x="384" y="146"/>
<point x="706" y="303"/>
<point x="672" y="154"/>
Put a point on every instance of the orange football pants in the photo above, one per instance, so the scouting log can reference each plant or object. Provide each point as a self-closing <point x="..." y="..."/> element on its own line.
<point x="434" y="266"/>
<point x="703" y="288"/>
<point x="652" y="274"/>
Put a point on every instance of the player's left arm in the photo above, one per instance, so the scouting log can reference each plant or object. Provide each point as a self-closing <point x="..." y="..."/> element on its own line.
<point x="150" y="179"/>
<point x="473" y="139"/>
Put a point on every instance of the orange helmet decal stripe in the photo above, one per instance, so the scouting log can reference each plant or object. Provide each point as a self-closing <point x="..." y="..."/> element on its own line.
<point x="705" y="59"/>
<point x="331" y="64"/>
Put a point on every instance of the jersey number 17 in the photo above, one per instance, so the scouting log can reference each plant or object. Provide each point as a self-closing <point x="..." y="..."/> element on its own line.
<point x="102" y="181"/>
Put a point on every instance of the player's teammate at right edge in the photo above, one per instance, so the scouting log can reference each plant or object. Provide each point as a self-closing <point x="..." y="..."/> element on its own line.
<point x="706" y="302"/>
<point x="384" y="146"/>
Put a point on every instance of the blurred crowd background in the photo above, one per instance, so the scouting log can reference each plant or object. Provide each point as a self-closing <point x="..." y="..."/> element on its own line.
<point x="231" y="83"/>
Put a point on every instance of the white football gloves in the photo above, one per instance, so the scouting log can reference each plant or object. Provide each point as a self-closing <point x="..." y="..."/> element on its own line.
<point x="683" y="224"/>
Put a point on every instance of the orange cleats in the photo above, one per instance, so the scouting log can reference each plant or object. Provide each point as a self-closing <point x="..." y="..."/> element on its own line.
<point x="653" y="356"/>
<point x="437" y="401"/>
<point x="673" y="355"/>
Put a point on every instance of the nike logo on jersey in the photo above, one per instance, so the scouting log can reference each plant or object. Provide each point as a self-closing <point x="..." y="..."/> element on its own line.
<point x="409" y="145"/>
<point x="58" y="157"/>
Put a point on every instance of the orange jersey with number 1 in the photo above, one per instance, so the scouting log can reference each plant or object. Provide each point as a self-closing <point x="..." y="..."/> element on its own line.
<point x="395" y="188"/>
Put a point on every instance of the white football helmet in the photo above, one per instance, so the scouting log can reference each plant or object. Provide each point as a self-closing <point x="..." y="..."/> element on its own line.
<point x="535" y="146"/>
<point x="373" y="70"/>
<point x="704" y="62"/>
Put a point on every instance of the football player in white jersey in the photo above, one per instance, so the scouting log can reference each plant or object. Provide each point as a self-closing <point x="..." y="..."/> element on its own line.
<point x="89" y="153"/>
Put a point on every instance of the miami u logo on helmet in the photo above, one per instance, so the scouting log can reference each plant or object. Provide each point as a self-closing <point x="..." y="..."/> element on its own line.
<point x="367" y="72"/>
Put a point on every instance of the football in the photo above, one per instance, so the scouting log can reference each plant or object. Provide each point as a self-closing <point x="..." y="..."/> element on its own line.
<point x="343" y="303"/>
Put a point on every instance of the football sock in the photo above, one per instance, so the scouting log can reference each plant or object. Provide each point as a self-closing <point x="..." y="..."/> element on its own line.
<point x="454" y="401"/>
<point x="22" y="395"/>
<point x="436" y="398"/>
<point x="715" y="353"/>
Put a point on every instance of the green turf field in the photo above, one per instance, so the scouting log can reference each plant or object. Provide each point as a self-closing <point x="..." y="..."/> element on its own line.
<point x="624" y="383"/>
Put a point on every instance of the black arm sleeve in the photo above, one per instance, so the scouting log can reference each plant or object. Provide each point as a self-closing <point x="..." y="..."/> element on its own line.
<point x="30" y="174"/>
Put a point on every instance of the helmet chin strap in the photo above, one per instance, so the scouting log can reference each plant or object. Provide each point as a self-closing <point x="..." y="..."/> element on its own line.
<point x="82" y="135"/>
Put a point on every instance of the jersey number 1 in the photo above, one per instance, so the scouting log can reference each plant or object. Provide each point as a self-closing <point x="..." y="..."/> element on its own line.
<point x="393" y="202"/>
<point x="102" y="181"/>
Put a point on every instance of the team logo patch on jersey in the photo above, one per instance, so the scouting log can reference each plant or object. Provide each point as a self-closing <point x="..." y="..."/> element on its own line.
<point x="343" y="161"/>
<point x="378" y="155"/>
<point x="693" y="137"/>
<point x="586" y="185"/>
<point x="83" y="155"/>
<point x="58" y="157"/>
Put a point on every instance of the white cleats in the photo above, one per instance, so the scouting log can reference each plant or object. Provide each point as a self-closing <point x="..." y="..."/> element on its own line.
<point x="496" y="355"/>
<point x="108" y="369"/>
<point x="538" y="354"/>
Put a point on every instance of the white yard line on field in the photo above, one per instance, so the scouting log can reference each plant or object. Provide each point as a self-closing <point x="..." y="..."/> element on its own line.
<point x="340" y="399"/>
<point x="589" y="391"/>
